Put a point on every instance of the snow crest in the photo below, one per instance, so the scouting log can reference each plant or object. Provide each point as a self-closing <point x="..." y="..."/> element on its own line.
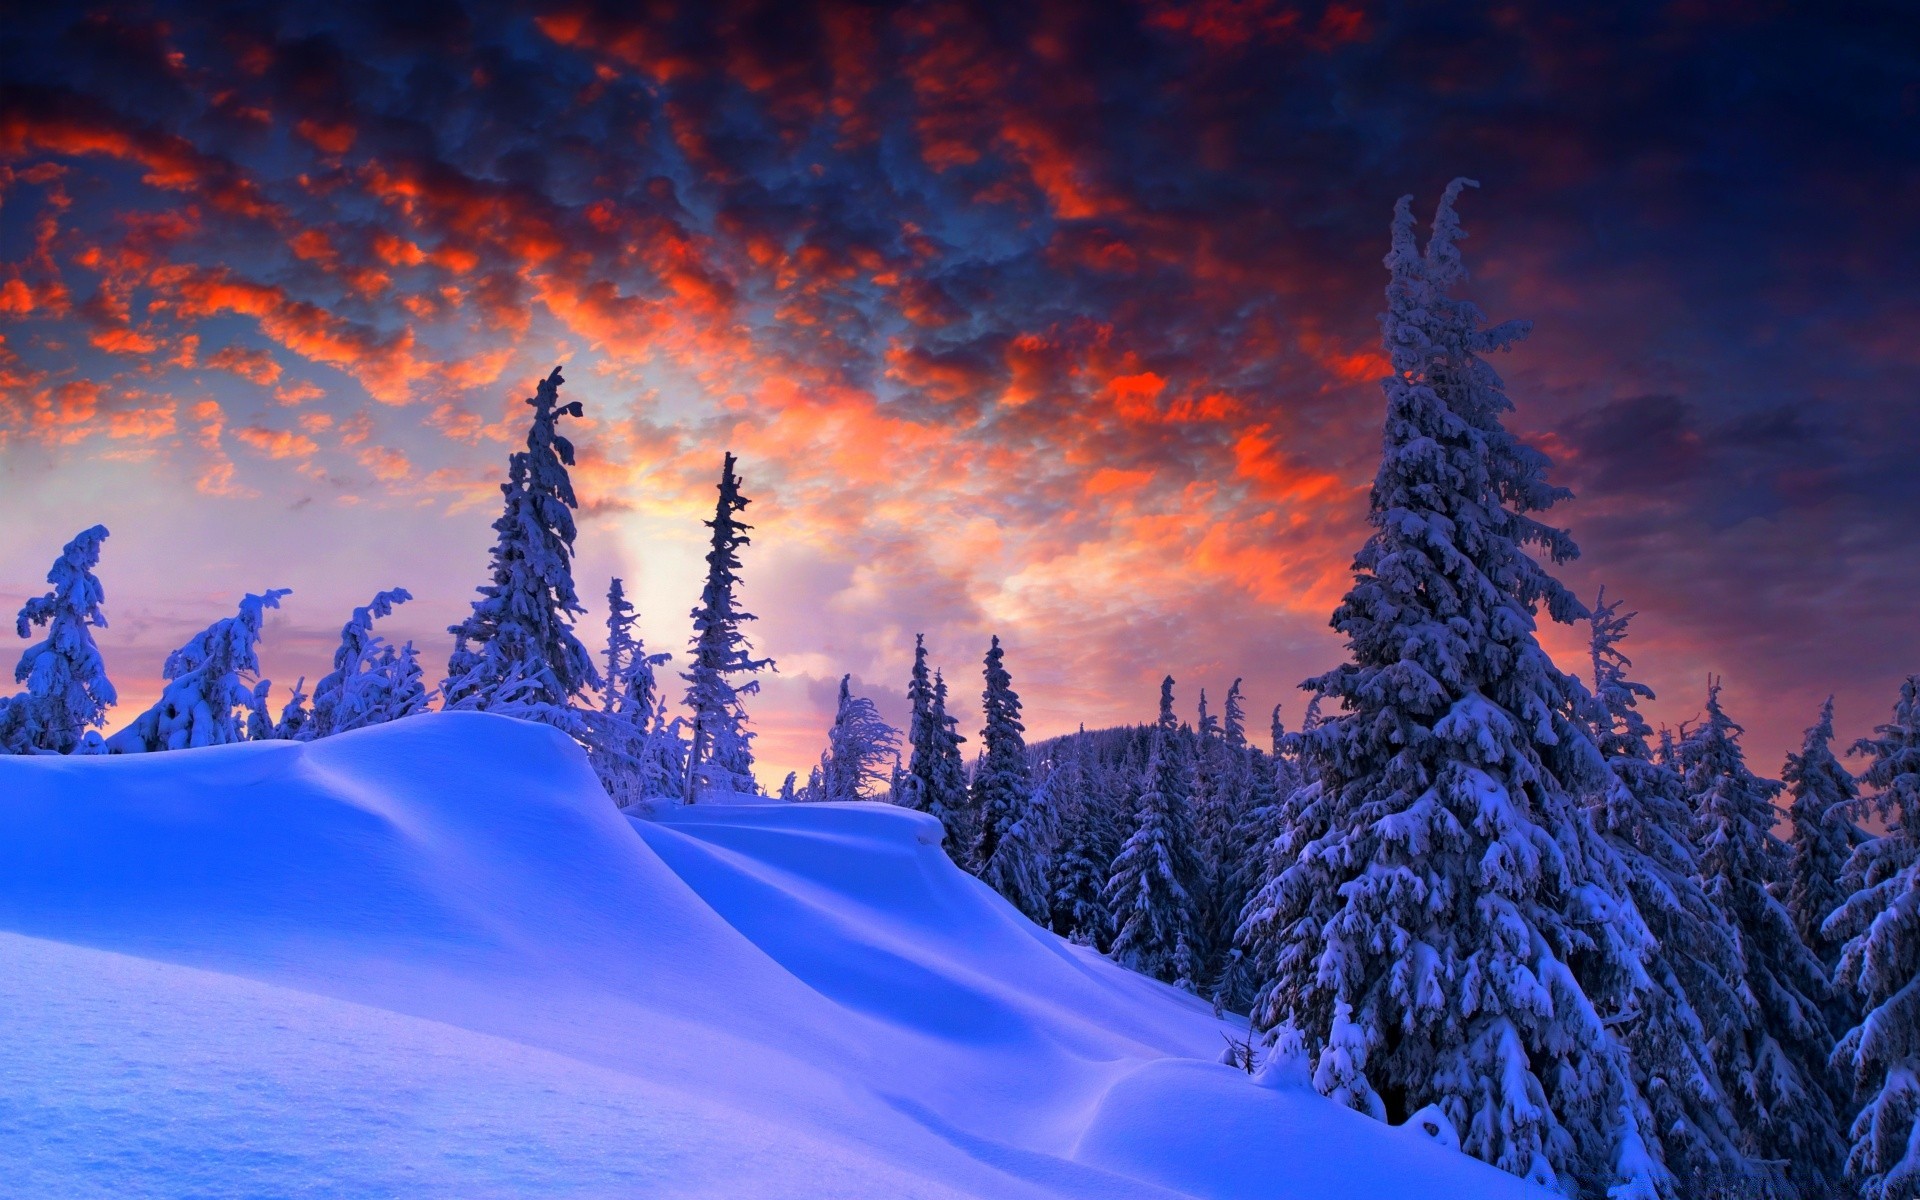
<point x="430" y="958"/>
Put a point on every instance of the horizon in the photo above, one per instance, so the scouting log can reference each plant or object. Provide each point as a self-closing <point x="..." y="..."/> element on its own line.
<point x="1055" y="325"/>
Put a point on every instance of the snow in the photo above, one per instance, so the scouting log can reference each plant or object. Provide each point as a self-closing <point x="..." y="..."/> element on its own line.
<point x="430" y="958"/>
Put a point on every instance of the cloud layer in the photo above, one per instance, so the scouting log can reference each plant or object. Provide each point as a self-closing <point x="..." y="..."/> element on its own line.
<point x="1055" y="321"/>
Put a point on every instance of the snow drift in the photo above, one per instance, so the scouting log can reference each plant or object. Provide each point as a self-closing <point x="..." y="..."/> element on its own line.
<point x="429" y="958"/>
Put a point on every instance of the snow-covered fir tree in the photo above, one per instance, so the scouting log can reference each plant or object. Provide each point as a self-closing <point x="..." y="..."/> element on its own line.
<point x="1003" y="783"/>
<point x="1691" y="993"/>
<point x="638" y="754"/>
<point x="1234" y="722"/>
<point x="1089" y="839"/>
<point x="1880" y="963"/>
<point x="1424" y="941"/>
<point x="628" y="687"/>
<point x="68" y="692"/>
<point x="1166" y="719"/>
<point x="1150" y="892"/>
<point x="860" y="748"/>
<point x="914" y="792"/>
<point x="1776" y="1069"/>
<point x="1207" y="725"/>
<point x="518" y="643"/>
<point x="721" y="756"/>
<point x="295" y="715"/>
<point x="208" y="696"/>
<point x="1277" y="732"/>
<point x="948" y="784"/>
<point x="371" y="682"/>
<point x="1823" y="836"/>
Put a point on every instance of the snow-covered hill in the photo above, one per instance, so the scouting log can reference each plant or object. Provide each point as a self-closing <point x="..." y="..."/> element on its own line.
<point x="430" y="959"/>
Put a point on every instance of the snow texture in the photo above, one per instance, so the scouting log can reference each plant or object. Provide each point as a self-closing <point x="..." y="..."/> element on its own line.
<point x="429" y="958"/>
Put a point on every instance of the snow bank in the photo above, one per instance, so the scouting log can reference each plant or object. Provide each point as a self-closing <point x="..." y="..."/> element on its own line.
<point x="429" y="958"/>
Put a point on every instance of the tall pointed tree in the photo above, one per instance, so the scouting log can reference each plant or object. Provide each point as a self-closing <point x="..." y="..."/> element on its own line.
<point x="519" y="638"/>
<point x="1823" y="838"/>
<point x="1691" y="993"/>
<point x="1777" y="1069"/>
<point x="1152" y="890"/>
<point x="630" y="688"/>
<point x="1003" y="784"/>
<point x="1089" y="840"/>
<point x="722" y="753"/>
<point x="1166" y="719"/>
<point x="948" y="776"/>
<point x="1880" y="963"/>
<point x="936" y="781"/>
<point x="68" y="692"/>
<point x="1429" y="937"/>
<point x="1234" y="727"/>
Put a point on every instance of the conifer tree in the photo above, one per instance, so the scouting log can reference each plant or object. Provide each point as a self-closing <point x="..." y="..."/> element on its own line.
<point x="947" y="775"/>
<point x="68" y="692"/>
<point x="294" y="715"/>
<point x="1166" y="719"/>
<point x="1776" y="1070"/>
<point x="1088" y="843"/>
<point x="859" y="746"/>
<point x="1823" y="836"/>
<point x="519" y="639"/>
<point x="1235" y="726"/>
<point x="1208" y="725"/>
<point x="722" y="753"/>
<point x="1003" y="784"/>
<point x="207" y="698"/>
<point x="1424" y="942"/>
<point x="1691" y="994"/>
<point x="1277" y="732"/>
<point x="1880" y="963"/>
<point x="923" y="738"/>
<point x="371" y="682"/>
<point x="1150" y="893"/>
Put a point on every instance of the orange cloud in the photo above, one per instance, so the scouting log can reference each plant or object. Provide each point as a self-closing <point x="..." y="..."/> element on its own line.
<point x="277" y="443"/>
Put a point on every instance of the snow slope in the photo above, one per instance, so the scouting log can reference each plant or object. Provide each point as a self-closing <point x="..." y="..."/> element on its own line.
<point x="431" y="959"/>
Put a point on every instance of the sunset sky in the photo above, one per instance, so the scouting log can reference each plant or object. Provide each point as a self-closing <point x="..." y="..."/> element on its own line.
<point x="1050" y="320"/>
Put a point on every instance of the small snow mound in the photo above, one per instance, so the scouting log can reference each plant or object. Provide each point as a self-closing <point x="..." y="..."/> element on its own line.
<point x="1431" y="1124"/>
<point x="1287" y="1066"/>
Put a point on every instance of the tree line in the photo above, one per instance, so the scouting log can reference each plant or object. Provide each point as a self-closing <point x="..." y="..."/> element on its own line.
<point x="1470" y="888"/>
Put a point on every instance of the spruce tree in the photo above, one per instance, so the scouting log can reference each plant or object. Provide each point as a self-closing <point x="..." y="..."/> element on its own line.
<point x="722" y="753"/>
<point x="68" y="692"/>
<point x="1880" y="963"/>
<point x="1003" y="784"/>
<point x="1277" y="732"/>
<point x="1235" y="724"/>
<point x="1208" y="726"/>
<point x="1088" y="844"/>
<point x="1691" y="994"/>
<point x="859" y="747"/>
<point x="371" y="682"/>
<point x="923" y="738"/>
<point x="1151" y="891"/>
<point x="518" y="641"/>
<point x="1429" y="932"/>
<point x="1776" y="1069"/>
<point x="208" y="696"/>
<point x="947" y="778"/>
<point x="1823" y="836"/>
<point x="1167" y="720"/>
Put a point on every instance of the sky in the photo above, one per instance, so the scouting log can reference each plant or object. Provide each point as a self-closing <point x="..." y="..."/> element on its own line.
<point x="1055" y="321"/>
